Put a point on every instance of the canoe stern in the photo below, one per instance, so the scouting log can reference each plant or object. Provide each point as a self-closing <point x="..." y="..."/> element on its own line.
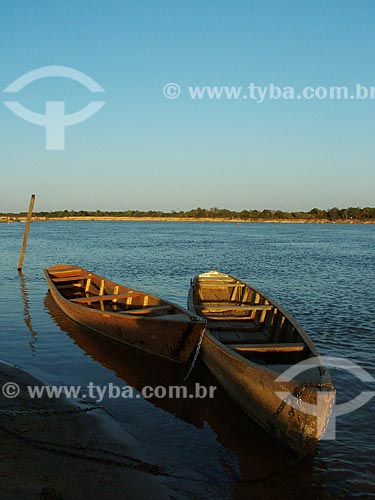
<point x="298" y="422"/>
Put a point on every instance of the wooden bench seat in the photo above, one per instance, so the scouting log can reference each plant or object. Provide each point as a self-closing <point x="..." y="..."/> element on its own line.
<point x="65" y="272"/>
<point x="241" y="338"/>
<point x="215" y="285"/>
<point x="216" y="279"/>
<point x="269" y="347"/>
<point x="233" y="326"/>
<point x="234" y="307"/>
<point x="215" y="320"/>
<point x="149" y="310"/>
<point x="77" y="277"/>
<point x="98" y="298"/>
<point x="173" y="317"/>
<point x="218" y="302"/>
<point x="70" y="286"/>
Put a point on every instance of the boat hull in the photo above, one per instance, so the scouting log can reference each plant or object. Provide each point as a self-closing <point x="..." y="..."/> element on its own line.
<point x="254" y="389"/>
<point x="249" y="345"/>
<point x="174" y="337"/>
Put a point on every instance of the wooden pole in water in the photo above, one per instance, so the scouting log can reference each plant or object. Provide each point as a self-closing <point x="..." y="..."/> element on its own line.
<point x="26" y="233"/>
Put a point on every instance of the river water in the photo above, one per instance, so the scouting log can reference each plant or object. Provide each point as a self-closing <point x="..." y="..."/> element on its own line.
<point x="323" y="274"/>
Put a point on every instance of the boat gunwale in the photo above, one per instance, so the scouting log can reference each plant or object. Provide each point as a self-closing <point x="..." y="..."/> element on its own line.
<point x="137" y="318"/>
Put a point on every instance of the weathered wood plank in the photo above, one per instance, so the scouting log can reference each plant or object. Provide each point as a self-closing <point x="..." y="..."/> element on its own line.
<point x="60" y="273"/>
<point x="234" y="307"/>
<point x="240" y="337"/>
<point x="88" y="285"/>
<point x="71" y="278"/>
<point x="226" y="285"/>
<point x="70" y="286"/>
<point x="294" y="347"/>
<point x="26" y="233"/>
<point x="222" y="318"/>
<point x="233" y="326"/>
<point x="98" y="298"/>
<point x="148" y="310"/>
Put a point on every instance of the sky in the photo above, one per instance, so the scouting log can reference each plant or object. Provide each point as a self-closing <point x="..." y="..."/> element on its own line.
<point x="145" y="151"/>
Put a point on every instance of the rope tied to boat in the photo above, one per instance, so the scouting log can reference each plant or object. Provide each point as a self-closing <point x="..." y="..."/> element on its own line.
<point x="298" y="391"/>
<point x="196" y="354"/>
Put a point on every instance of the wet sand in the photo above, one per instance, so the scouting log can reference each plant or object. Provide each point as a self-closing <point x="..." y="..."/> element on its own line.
<point x="51" y="457"/>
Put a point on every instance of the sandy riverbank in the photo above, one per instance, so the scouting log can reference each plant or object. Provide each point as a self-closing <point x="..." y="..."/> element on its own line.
<point x="190" y="219"/>
<point x="36" y="461"/>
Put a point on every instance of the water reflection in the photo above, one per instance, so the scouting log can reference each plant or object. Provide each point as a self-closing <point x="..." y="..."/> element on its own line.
<point x="262" y="461"/>
<point x="26" y="311"/>
<point x="135" y="367"/>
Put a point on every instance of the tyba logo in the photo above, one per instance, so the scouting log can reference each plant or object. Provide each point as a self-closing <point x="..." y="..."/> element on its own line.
<point x="54" y="120"/>
<point x="322" y="397"/>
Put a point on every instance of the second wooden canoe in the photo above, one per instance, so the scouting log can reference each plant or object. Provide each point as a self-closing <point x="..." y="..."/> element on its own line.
<point x="250" y="342"/>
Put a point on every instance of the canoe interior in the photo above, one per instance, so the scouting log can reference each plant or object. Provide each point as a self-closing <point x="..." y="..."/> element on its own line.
<point x="247" y="322"/>
<point x="94" y="292"/>
<point x="124" y="314"/>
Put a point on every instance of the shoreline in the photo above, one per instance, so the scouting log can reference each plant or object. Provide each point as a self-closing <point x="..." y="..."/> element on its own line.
<point x="188" y="219"/>
<point x="59" y="456"/>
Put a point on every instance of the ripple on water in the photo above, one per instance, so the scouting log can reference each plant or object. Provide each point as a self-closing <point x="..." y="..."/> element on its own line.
<point x="323" y="274"/>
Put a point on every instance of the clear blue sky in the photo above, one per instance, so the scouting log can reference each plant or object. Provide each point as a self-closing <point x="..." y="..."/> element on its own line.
<point x="143" y="151"/>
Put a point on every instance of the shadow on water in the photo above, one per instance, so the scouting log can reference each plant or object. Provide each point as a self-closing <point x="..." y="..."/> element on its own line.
<point x="26" y="310"/>
<point x="264" y="465"/>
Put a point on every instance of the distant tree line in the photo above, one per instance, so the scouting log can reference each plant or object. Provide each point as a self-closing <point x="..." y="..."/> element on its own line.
<point x="333" y="214"/>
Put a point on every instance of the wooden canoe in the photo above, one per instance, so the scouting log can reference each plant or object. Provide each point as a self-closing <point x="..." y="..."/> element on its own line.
<point x="124" y="314"/>
<point x="249" y="342"/>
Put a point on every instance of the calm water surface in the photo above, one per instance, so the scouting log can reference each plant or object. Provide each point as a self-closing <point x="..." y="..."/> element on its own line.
<point x="323" y="274"/>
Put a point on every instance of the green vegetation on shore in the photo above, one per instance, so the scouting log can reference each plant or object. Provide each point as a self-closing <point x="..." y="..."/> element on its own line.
<point x="316" y="214"/>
